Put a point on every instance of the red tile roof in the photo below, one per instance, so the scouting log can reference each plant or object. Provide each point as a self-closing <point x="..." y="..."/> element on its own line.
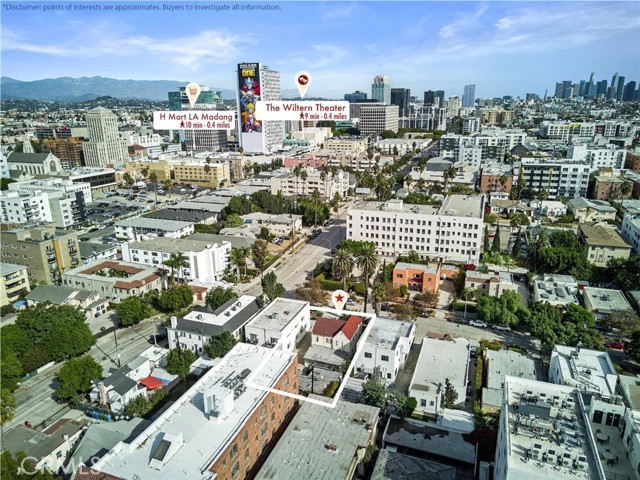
<point x="351" y="327"/>
<point x="328" y="327"/>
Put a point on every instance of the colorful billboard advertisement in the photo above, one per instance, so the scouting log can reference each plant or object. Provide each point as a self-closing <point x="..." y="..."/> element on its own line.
<point x="249" y="94"/>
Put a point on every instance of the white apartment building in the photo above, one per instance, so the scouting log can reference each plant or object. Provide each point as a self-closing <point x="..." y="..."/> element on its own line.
<point x="608" y="156"/>
<point x="64" y="210"/>
<point x="452" y="231"/>
<point x="105" y="147"/>
<point x="283" y="321"/>
<point x="439" y="360"/>
<point x="630" y="231"/>
<point x="291" y="185"/>
<point x="493" y="143"/>
<point x="386" y="348"/>
<point x="13" y="282"/>
<point x="194" y="330"/>
<point x="544" y="433"/>
<point x="589" y="371"/>
<point x="376" y="118"/>
<point x="454" y="104"/>
<point x="206" y="261"/>
<point x="138" y="227"/>
<point x="566" y="130"/>
<point x="471" y="125"/>
<point x="57" y="185"/>
<point x="559" y="178"/>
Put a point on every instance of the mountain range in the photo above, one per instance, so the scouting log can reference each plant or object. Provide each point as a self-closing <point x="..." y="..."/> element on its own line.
<point x="67" y="89"/>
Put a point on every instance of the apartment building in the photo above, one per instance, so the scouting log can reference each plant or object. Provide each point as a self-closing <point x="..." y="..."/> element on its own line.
<point x="451" y="231"/>
<point x="480" y="147"/>
<point x="589" y="371"/>
<point x="206" y="261"/>
<point x="327" y="184"/>
<point x="417" y="277"/>
<point x="559" y="130"/>
<point x="55" y="185"/>
<point x="221" y="428"/>
<point x="558" y="290"/>
<point x="603" y="302"/>
<point x="44" y="250"/>
<point x="632" y="160"/>
<point x="607" y="156"/>
<point x="559" y="178"/>
<point x="115" y="280"/>
<point x="138" y="227"/>
<point x="283" y="321"/>
<point x="14" y="281"/>
<point x="386" y="349"/>
<point x="630" y="231"/>
<point x="65" y="210"/>
<point x="342" y="145"/>
<point x="203" y="174"/>
<point x="496" y="178"/>
<point x="609" y="187"/>
<point x="603" y="244"/>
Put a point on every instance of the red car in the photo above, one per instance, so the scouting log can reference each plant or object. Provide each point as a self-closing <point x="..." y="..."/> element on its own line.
<point x="616" y="345"/>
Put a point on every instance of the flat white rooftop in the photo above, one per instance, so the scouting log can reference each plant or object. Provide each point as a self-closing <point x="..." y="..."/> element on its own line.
<point x="205" y="435"/>
<point x="548" y="437"/>
<point x="589" y="370"/>
<point x="452" y="206"/>
<point x="442" y="359"/>
<point x="278" y="314"/>
<point x="385" y="332"/>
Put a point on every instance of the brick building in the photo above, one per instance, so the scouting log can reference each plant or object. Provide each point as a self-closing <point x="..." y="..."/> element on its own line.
<point x="632" y="160"/>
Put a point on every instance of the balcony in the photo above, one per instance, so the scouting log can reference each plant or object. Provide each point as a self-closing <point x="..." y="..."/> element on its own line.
<point x="51" y="259"/>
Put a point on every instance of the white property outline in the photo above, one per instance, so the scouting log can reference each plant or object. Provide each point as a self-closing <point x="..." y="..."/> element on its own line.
<point x="372" y="318"/>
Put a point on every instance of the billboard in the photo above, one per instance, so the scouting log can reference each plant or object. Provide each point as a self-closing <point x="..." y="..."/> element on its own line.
<point x="250" y="128"/>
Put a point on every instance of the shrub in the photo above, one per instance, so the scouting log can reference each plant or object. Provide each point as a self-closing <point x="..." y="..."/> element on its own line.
<point x="321" y="277"/>
<point x="331" y="389"/>
<point x="331" y="284"/>
<point x="359" y="288"/>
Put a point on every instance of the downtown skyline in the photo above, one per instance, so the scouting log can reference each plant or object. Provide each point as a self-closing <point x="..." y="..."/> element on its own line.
<point x="506" y="48"/>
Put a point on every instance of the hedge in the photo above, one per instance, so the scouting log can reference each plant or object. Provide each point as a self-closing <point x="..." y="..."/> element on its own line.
<point x="459" y="307"/>
<point x="358" y="288"/>
<point x="331" y="284"/>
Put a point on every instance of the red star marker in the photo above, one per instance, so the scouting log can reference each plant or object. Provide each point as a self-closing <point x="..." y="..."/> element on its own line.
<point x="339" y="298"/>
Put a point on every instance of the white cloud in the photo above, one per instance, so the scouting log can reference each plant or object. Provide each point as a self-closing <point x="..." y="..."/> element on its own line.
<point x="464" y="22"/>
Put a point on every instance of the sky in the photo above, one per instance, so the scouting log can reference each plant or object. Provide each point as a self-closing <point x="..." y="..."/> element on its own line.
<point x="505" y="48"/>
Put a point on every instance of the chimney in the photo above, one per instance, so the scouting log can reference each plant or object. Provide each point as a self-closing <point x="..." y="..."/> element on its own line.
<point x="174" y="322"/>
<point x="102" y="392"/>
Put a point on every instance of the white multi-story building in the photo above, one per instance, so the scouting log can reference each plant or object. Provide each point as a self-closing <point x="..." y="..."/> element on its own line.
<point x="454" y="104"/>
<point x="452" y="231"/>
<point x="206" y="261"/>
<point x="608" y="156"/>
<point x="194" y="330"/>
<point x="64" y="210"/>
<point x="471" y="125"/>
<point x="105" y="147"/>
<point x="544" y="433"/>
<point x="386" y="348"/>
<point x="440" y="359"/>
<point x="630" y="231"/>
<point x="559" y="178"/>
<point x="562" y="130"/>
<point x="603" y="243"/>
<point x="138" y="227"/>
<point x="291" y="185"/>
<point x="589" y="371"/>
<point x="493" y="144"/>
<point x="283" y="321"/>
<point x="55" y="185"/>
<point x="603" y="302"/>
<point x="376" y="118"/>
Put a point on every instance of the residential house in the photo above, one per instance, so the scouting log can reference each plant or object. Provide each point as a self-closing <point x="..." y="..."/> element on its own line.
<point x="92" y="303"/>
<point x="418" y="277"/>
<point x="492" y="284"/>
<point x="586" y="211"/>
<point x="603" y="244"/>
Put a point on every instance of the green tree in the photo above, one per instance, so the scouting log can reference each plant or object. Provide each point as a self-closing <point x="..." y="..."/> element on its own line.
<point x="22" y="468"/>
<point x="367" y="260"/>
<point x="238" y="257"/>
<point x="623" y="322"/>
<point x="176" y="262"/>
<point x="233" y="221"/>
<point x="132" y="310"/>
<point x="378" y="293"/>
<point x="374" y="394"/>
<point x="260" y="254"/>
<point x="76" y="375"/>
<point x="7" y="406"/>
<point x="518" y="219"/>
<point x="506" y="310"/>
<point x="449" y="395"/>
<point x="625" y="272"/>
<point x="632" y="347"/>
<point x="153" y="178"/>
<point x="265" y="234"/>
<point x="311" y="291"/>
<point x="10" y="369"/>
<point x="218" y="296"/>
<point x="176" y="298"/>
<point x="495" y="246"/>
<point x="129" y="181"/>
<point x="517" y="246"/>
<point x="403" y="405"/>
<point x="179" y="361"/>
<point x="271" y="287"/>
<point x="142" y="405"/>
<point x="220" y="345"/>
<point x="342" y="265"/>
<point x="4" y="183"/>
<point x="486" y="244"/>
<point x="238" y="205"/>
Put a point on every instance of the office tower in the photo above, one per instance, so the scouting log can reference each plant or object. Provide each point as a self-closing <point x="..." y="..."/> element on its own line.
<point x="105" y="147"/>
<point x="619" y="88"/>
<point x="440" y="97"/>
<point x="531" y="96"/>
<point x="199" y="140"/>
<point x="376" y="118"/>
<point x="381" y="89"/>
<point x="257" y="82"/>
<point x="629" y="92"/>
<point x="355" y="97"/>
<point x="584" y="89"/>
<point x="453" y="106"/>
<point x="567" y="89"/>
<point x="611" y="95"/>
<point x="429" y="97"/>
<point x="601" y="88"/>
<point x="400" y="97"/>
<point x="575" y="91"/>
<point x="469" y="96"/>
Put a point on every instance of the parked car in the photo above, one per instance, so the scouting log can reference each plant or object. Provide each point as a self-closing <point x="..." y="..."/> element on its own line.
<point x="615" y="344"/>
<point x="477" y="323"/>
<point x="183" y="189"/>
<point x="473" y="351"/>
<point x="502" y="328"/>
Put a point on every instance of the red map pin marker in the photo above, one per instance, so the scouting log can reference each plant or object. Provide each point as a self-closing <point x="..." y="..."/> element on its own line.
<point x="339" y="298"/>
<point x="303" y="80"/>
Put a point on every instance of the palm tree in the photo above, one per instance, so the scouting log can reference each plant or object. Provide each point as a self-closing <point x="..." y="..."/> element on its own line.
<point x="239" y="257"/>
<point x="317" y="201"/>
<point x="342" y="265"/>
<point x="625" y="189"/>
<point x="130" y="181"/>
<point x="176" y="261"/>
<point x="167" y="186"/>
<point x="449" y="174"/>
<point x="153" y="178"/>
<point x="304" y="175"/>
<point x="378" y="293"/>
<point x="367" y="260"/>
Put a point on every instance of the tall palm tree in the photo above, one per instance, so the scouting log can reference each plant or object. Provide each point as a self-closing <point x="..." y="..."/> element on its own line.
<point x="239" y="257"/>
<point x="378" y="293"/>
<point x="317" y="201"/>
<point x="342" y="265"/>
<point x="177" y="261"/>
<point x="367" y="260"/>
<point x="153" y="178"/>
<point x="449" y="174"/>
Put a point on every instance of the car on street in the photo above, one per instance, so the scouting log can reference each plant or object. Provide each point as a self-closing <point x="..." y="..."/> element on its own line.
<point x="183" y="189"/>
<point x="473" y="351"/>
<point x="615" y="345"/>
<point x="502" y="328"/>
<point x="477" y="323"/>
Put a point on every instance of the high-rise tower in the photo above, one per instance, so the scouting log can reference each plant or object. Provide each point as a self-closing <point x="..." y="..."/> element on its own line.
<point x="105" y="147"/>
<point x="469" y="96"/>
<point x="400" y="97"/>
<point x="257" y="82"/>
<point x="381" y="89"/>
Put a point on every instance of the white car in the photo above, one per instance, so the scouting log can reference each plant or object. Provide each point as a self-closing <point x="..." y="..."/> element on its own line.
<point x="477" y="323"/>
<point x="502" y="328"/>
